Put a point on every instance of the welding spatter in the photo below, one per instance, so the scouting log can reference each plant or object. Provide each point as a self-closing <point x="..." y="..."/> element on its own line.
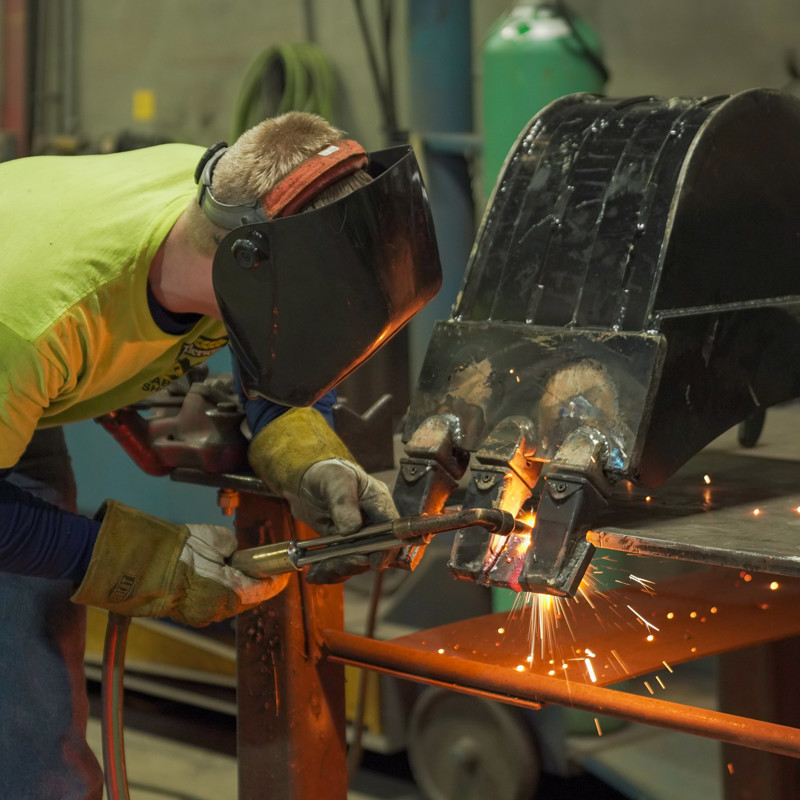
<point x="281" y="557"/>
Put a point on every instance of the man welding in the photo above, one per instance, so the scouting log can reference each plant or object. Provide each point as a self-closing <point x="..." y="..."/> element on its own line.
<point x="119" y="274"/>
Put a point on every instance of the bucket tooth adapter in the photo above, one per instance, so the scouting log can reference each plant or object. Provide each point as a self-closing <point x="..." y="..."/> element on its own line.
<point x="433" y="465"/>
<point x="504" y="473"/>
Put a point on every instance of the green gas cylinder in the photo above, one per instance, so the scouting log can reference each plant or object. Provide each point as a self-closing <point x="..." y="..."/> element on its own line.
<point x="535" y="53"/>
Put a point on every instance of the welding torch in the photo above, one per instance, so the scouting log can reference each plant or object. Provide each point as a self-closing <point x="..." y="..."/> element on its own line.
<point x="278" y="558"/>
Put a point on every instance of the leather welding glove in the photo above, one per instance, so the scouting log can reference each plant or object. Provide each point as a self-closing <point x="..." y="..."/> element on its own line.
<point x="142" y="566"/>
<point x="299" y="456"/>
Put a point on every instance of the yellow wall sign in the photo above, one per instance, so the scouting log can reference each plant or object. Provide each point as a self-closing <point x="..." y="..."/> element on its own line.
<point x="144" y="105"/>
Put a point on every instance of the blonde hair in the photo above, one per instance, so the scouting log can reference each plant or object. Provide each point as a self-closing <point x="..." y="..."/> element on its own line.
<point x="260" y="158"/>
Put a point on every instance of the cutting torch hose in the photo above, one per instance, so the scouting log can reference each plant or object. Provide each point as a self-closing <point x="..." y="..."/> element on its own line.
<point x="112" y="692"/>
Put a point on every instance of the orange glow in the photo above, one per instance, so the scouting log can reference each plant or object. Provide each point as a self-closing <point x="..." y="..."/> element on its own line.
<point x="671" y="615"/>
<point x="528" y="517"/>
<point x="648" y="499"/>
<point x="756" y="512"/>
<point x="774" y="585"/>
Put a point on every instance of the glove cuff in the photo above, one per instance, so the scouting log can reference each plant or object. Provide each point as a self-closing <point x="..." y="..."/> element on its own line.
<point x="282" y="452"/>
<point x="132" y="563"/>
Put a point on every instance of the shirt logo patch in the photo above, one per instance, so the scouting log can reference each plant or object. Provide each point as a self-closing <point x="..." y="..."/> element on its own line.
<point x="191" y="354"/>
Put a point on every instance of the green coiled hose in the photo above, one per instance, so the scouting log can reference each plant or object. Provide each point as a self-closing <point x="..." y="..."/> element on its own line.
<point x="281" y="78"/>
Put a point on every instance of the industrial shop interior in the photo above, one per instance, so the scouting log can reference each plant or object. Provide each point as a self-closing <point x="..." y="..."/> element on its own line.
<point x="399" y="400"/>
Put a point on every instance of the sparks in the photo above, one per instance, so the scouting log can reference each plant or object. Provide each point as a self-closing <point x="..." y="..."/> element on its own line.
<point x="649" y="687"/>
<point x="707" y="478"/>
<point x="669" y="668"/>
<point x="660" y="682"/>
<point x="590" y="670"/>
<point x="756" y="512"/>
<point x="621" y="662"/>
<point x="600" y="732"/>
<point x="520" y="668"/>
<point x="647" y="624"/>
<point x="774" y="585"/>
<point x="644" y="583"/>
<point x="440" y="651"/>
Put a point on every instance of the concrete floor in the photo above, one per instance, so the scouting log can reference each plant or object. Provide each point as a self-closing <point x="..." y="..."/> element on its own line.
<point x="636" y="763"/>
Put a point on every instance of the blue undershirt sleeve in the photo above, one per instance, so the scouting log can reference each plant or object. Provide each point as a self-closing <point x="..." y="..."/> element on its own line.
<point x="41" y="540"/>
<point x="260" y="412"/>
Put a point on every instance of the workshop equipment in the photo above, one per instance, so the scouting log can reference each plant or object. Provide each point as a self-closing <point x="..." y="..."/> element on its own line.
<point x="631" y="295"/>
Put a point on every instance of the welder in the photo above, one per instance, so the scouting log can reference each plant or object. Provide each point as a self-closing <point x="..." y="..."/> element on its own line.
<point x="119" y="273"/>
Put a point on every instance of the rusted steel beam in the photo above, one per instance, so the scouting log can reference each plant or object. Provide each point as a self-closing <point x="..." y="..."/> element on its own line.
<point x="770" y="673"/>
<point x="290" y="700"/>
<point x="14" y="55"/>
<point x="520" y="688"/>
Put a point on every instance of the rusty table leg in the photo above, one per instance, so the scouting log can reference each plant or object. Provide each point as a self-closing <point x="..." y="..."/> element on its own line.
<point x="761" y="682"/>
<point x="291" y="718"/>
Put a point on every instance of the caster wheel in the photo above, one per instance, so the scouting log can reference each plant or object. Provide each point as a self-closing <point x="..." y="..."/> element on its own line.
<point x="462" y="747"/>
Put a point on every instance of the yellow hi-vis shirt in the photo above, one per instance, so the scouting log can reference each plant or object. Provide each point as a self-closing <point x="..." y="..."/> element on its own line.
<point x="77" y="237"/>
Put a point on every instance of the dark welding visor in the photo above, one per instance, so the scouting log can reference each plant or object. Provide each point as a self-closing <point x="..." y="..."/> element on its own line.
<point x="307" y="298"/>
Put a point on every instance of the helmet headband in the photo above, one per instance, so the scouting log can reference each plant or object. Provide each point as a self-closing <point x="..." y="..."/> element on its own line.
<point x="289" y="195"/>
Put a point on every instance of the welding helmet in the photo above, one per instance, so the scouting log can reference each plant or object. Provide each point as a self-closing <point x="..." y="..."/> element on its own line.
<point x="307" y="297"/>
